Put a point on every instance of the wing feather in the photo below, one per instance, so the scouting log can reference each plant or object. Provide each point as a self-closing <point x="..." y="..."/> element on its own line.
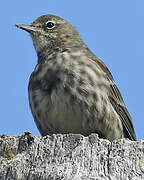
<point x="117" y="102"/>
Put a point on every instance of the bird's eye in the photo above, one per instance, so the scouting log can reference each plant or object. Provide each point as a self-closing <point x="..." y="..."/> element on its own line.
<point x="50" y="25"/>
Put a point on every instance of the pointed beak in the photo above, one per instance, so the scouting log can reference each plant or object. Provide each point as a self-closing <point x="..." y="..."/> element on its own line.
<point x="28" y="28"/>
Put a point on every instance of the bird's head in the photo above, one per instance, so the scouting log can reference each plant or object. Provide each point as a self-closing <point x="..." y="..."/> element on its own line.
<point x="52" y="32"/>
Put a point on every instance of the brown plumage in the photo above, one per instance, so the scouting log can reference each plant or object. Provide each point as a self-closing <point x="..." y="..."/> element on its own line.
<point x="71" y="90"/>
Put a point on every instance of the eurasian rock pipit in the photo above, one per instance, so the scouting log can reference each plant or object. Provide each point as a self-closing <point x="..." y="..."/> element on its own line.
<point x="71" y="90"/>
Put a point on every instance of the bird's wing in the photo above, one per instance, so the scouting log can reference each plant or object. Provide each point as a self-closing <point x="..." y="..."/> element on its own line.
<point x="119" y="106"/>
<point x="118" y="103"/>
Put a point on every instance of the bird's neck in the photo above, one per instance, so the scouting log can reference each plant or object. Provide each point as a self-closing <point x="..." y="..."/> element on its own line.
<point x="46" y="54"/>
<point x="50" y="53"/>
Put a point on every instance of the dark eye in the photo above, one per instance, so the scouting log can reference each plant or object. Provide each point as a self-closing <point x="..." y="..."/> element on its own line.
<point x="50" y="25"/>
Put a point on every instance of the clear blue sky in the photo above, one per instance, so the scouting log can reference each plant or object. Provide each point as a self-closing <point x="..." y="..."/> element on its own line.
<point x="113" y="30"/>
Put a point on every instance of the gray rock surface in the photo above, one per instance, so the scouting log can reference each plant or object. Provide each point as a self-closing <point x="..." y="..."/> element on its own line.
<point x="70" y="157"/>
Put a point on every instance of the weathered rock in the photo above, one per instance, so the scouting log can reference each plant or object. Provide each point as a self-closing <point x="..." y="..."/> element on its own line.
<point x="70" y="157"/>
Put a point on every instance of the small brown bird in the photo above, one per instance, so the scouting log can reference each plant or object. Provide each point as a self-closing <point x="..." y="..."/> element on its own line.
<point x="71" y="90"/>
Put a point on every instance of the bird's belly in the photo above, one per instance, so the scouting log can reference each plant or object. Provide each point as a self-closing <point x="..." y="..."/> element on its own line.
<point x="57" y="114"/>
<point x="64" y="116"/>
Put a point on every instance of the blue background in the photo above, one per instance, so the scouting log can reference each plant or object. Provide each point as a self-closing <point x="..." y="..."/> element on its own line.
<point x="113" y="30"/>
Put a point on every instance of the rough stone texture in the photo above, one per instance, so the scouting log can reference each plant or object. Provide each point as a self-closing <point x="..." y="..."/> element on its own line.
<point x="70" y="157"/>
